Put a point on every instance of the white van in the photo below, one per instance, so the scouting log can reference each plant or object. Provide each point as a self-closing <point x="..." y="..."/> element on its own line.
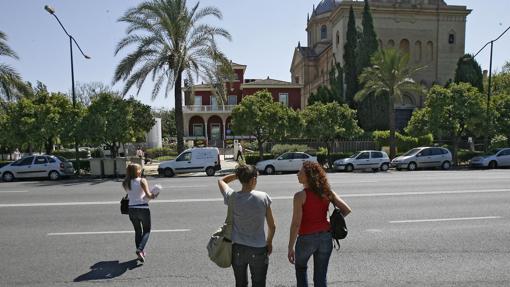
<point x="192" y="160"/>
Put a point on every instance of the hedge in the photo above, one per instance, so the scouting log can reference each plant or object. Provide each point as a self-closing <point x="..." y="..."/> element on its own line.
<point x="404" y="143"/>
<point x="464" y="155"/>
<point x="254" y="158"/>
<point x="159" y="152"/>
<point x="278" y="149"/>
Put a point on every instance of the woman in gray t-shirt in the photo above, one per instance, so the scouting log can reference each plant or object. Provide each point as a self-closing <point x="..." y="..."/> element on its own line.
<point x="251" y="208"/>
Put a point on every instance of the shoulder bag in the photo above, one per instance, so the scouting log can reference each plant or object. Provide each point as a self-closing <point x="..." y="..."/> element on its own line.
<point x="124" y="205"/>
<point x="219" y="247"/>
<point x="338" y="226"/>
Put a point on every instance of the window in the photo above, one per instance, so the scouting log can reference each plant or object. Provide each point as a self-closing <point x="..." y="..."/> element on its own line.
<point x="324" y="32"/>
<point x="25" y="161"/>
<point x="214" y="103"/>
<point x="198" y="130"/>
<point x="363" y="155"/>
<point x="232" y="100"/>
<point x="300" y="156"/>
<point x="296" y="80"/>
<point x="184" y="157"/>
<point x="52" y="160"/>
<point x="337" y="38"/>
<point x="451" y="38"/>
<point x="377" y="154"/>
<point x="288" y="155"/>
<point x="283" y="98"/>
<point x="40" y="160"/>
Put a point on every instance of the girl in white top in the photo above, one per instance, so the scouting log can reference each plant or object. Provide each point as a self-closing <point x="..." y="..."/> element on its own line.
<point x="139" y="195"/>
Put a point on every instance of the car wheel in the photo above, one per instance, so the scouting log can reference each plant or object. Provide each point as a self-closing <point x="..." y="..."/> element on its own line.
<point x="7" y="177"/>
<point x="493" y="164"/>
<point x="269" y="170"/>
<point x="446" y="165"/>
<point x="411" y="166"/>
<point x="53" y="175"/>
<point x="210" y="171"/>
<point x="168" y="172"/>
<point x="349" y="168"/>
<point x="384" y="167"/>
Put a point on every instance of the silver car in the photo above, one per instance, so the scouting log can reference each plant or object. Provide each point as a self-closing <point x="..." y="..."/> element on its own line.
<point x="289" y="161"/>
<point x="493" y="159"/>
<point x="367" y="159"/>
<point x="49" y="166"/>
<point x="423" y="157"/>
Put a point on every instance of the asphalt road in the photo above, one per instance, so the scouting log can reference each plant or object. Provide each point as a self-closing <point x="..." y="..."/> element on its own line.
<point x="424" y="228"/>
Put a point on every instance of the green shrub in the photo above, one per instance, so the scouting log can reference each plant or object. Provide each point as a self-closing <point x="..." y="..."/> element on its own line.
<point x="254" y="158"/>
<point x="464" y="155"/>
<point x="199" y="143"/>
<point x="250" y="145"/>
<point x="71" y="154"/>
<point x="404" y="143"/>
<point x="159" y="152"/>
<point x="499" y="141"/>
<point x="282" y="148"/>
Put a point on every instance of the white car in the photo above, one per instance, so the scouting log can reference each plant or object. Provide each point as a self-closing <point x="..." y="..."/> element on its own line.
<point x="192" y="160"/>
<point x="496" y="158"/>
<point x="366" y="159"/>
<point x="52" y="167"/>
<point x="289" y="161"/>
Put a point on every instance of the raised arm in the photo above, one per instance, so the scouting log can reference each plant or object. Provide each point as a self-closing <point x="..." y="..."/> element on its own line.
<point x="224" y="181"/>
<point x="271" y="229"/>
<point x="340" y="203"/>
<point x="297" y="214"/>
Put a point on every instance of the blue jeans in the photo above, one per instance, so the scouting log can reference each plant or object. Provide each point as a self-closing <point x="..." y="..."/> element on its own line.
<point x="254" y="257"/>
<point x="141" y="219"/>
<point x="320" y="245"/>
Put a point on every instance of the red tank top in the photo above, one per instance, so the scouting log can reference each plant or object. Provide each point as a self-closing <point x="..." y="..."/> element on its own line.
<point x="315" y="212"/>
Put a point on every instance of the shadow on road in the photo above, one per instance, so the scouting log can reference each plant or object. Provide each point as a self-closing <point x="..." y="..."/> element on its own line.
<point x="107" y="270"/>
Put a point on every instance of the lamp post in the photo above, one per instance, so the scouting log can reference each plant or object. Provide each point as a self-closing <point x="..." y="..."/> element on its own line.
<point x="489" y="90"/>
<point x="71" y="40"/>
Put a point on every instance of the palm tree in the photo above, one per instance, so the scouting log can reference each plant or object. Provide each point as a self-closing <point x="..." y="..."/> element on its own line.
<point x="389" y="76"/>
<point x="171" y="42"/>
<point x="11" y="84"/>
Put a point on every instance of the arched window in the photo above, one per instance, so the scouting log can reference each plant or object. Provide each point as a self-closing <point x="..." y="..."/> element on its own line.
<point x="451" y="37"/>
<point x="391" y="44"/>
<point x="337" y="38"/>
<point x="324" y="32"/>
<point x="417" y="51"/>
<point x="430" y="51"/>
<point x="404" y="46"/>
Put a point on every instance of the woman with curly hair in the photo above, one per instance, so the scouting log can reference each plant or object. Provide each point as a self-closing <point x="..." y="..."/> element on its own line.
<point x="310" y="225"/>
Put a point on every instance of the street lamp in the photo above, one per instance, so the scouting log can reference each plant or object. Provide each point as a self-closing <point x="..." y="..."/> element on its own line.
<point x="489" y="91"/>
<point x="71" y="40"/>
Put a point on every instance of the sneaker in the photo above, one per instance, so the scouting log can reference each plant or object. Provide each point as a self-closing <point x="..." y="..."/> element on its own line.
<point x="141" y="255"/>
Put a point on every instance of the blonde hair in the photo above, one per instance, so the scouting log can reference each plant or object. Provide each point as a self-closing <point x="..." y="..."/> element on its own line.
<point x="132" y="172"/>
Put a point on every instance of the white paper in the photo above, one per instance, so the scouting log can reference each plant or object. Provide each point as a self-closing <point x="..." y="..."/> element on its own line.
<point x="156" y="189"/>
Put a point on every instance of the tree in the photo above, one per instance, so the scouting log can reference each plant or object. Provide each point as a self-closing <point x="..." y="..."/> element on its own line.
<point x="11" y="85"/>
<point x="332" y="93"/>
<point x="469" y="71"/>
<point x="85" y="92"/>
<point x="501" y="121"/>
<point x="329" y="122"/>
<point x="452" y="112"/>
<point x="389" y="77"/>
<point x="260" y="116"/>
<point x="368" y="43"/>
<point x="113" y="121"/>
<point x="172" y="42"/>
<point x="167" y="122"/>
<point x="350" y="56"/>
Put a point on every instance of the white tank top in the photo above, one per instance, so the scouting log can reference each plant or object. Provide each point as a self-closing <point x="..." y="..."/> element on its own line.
<point x="136" y="195"/>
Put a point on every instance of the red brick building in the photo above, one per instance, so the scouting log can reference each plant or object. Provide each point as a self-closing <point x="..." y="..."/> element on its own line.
<point x="205" y="118"/>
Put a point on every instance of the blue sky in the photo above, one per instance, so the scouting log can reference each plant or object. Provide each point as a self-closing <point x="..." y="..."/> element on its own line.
<point x="264" y="34"/>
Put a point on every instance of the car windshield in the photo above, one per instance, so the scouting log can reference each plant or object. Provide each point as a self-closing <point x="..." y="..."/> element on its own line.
<point x="62" y="159"/>
<point x="411" y="152"/>
<point x="491" y="152"/>
<point x="354" y="155"/>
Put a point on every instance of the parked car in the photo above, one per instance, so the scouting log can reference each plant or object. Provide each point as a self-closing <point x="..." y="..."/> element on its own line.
<point x="289" y="161"/>
<point x="192" y="160"/>
<point x="52" y="167"/>
<point x="366" y="159"/>
<point x="496" y="158"/>
<point x="423" y="157"/>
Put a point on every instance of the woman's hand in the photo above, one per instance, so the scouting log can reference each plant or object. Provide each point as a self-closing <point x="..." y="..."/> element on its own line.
<point x="269" y="248"/>
<point x="291" y="255"/>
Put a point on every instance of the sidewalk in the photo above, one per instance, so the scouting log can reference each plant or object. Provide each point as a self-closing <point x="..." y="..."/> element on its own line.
<point x="227" y="166"/>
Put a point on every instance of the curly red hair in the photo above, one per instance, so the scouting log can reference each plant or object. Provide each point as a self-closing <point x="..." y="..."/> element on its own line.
<point x="316" y="178"/>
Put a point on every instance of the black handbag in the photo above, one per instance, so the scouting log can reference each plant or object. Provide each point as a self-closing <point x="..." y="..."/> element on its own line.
<point x="124" y="205"/>
<point x="338" y="227"/>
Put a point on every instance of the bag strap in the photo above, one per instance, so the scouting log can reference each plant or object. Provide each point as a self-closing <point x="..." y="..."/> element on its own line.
<point x="229" y="219"/>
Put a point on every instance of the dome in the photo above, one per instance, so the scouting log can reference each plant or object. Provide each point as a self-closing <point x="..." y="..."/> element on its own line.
<point x="326" y="6"/>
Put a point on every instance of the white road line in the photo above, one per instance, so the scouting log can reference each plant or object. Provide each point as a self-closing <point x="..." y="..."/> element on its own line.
<point x="113" y="232"/>
<point x="13" y="191"/>
<point x="215" y="199"/>
<point x="445" y="219"/>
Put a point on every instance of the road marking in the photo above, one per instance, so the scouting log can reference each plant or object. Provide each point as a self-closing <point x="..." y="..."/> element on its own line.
<point x="445" y="219"/>
<point x="113" y="232"/>
<point x="215" y="199"/>
<point x="13" y="191"/>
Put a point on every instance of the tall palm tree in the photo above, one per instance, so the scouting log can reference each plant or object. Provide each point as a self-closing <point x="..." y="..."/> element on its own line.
<point x="171" y="43"/>
<point x="389" y="76"/>
<point x="11" y="84"/>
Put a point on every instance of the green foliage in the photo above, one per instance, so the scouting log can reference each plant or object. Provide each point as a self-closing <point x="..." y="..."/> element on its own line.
<point x="368" y="43"/>
<point x="332" y="93"/>
<point x="469" y="71"/>
<point x="260" y="116"/>
<point x="11" y="84"/>
<point x="168" y="127"/>
<point x="499" y="141"/>
<point x="501" y="106"/>
<point x="464" y="155"/>
<point x="70" y="154"/>
<point x="159" y="152"/>
<point x="282" y="148"/>
<point x="403" y="142"/>
<point x="350" y="56"/>
<point x="254" y="158"/>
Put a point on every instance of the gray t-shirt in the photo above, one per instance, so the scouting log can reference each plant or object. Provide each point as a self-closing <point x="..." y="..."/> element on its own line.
<point x="249" y="213"/>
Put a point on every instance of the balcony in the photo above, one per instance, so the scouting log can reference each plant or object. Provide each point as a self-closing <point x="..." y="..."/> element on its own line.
<point x="207" y="109"/>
